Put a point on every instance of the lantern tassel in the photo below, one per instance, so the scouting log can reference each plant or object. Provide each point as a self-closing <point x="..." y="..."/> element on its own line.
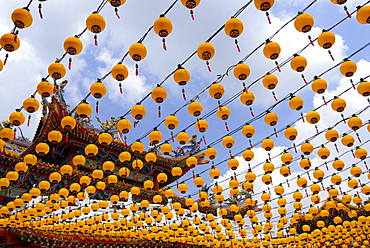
<point x="344" y="120"/>
<point x="353" y="86"/>
<point x="251" y="110"/>
<point x="159" y="112"/>
<point x="55" y="87"/>
<point x="172" y="137"/>
<point x="353" y="154"/>
<point x="137" y="70"/>
<point x="237" y="45"/>
<point x="183" y="94"/>
<point x="116" y="10"/>
<point x="29" y="121"/>
<point x="311" y="42"/>
<point x="273" y="94"/>
<point x="15" y="133"/>
<point x="276" y="134"/>
<point x="193" y="175"/>
<point x="317" y="130"/>
<point x="304" y="79"/>
<point x="97" y="107"/>
<point x="69" y="63"/>
<point x="295" y="148"/>
<point x="302" y="117"/>
<point x="96" y="40"/>
<point x="250" y="144"/>
<point x="331" y="56"/>
<point x="120" y="88"/>
<point x="336" y="147"/>
<point x="40" y="12"/>
<point x="204" y="140"/>
<point x="277" y="66"/>
<point x="192" y="14"/>
<point x="244" y="88"/>
<point x="366" y="166"/>
<point x="358" y="137"/>
<point x="323" y="98"/>
<point x="6" y="58"/>
<point x="230" y="154"/>
<point x="327" y="168"/>
<point x="227" y="127"/>
<point x="164" y="44"/>
<point x="347" y="12"/>
<point x="268" y="17"/>
<point x="208" y="66"/>
<point x="91" y="167"/>
<point x="219" y="106"/>
<point x="67" y="139"/>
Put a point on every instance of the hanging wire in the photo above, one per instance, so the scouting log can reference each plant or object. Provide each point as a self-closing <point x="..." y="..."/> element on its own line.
<point x="272" y="107"/>
<point x="221" y="77"/>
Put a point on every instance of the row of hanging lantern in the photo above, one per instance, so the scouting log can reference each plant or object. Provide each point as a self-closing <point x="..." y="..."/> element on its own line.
<point x="192" y="237"/>
<point x="155" y="137"/>
<point x="347" y="140"/>
<point x="185" y="224"/>
<point x="85" y="210"/>
<point x="21" y="18"/>
<point x="44" y="185"/>
<point x="137" y="51"/>
<point x="354" y="122"/>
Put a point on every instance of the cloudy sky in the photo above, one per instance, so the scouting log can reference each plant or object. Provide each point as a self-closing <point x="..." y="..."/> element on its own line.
<point x="42" y="43"/>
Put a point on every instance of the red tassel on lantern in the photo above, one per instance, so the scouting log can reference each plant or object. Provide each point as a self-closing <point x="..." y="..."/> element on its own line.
<point x="116" y="10"/>
<point x="237" y="45"/>
<point x="164" y="44"/>
<point x="268" y="17"/>
<point x="120" y="88"/>
<point x="183" y="94"/>
<point x="346" y="10"/>
<point x="208" y="66"/>
<point x="277" y="66"/>
<point x="96" y="40"/>
<point x="6" y="58"/>
<point x="311" y="42"/>
<point x="40" y="12"/>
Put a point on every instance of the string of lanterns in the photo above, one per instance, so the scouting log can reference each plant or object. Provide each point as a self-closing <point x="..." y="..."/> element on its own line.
<point x="55" y="137"/>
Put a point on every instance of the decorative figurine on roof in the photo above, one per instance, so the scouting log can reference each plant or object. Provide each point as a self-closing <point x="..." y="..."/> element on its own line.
<point x="59" y="91"/>
<point x="187" y="149"/>
<point x="108" y="125"/>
